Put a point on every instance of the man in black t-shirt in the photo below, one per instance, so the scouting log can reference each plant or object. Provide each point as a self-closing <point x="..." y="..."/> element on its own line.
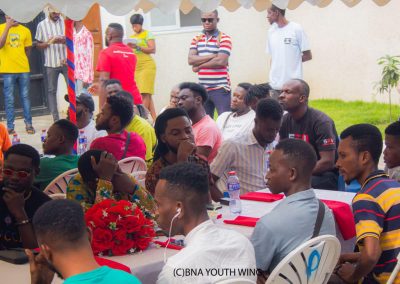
<point x="312" y="126"/>
<point x="19" y="200"/>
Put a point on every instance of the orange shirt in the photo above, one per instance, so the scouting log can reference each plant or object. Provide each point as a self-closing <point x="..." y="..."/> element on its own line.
<point x="5" y="141"/>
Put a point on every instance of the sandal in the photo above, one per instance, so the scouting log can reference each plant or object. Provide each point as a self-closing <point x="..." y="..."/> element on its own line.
<point x="30" y="129"/>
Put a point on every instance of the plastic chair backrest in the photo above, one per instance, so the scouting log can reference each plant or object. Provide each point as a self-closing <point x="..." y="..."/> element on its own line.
<point x="60" y="183"/>
<point x="395" y="271"/>
<point x="140" y="177"/>
<point x="313" y="262"/>
<point x="132" y="164"/>
<point x="58" y="196"/>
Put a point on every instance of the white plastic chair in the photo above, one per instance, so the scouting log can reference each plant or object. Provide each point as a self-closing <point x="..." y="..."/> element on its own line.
<point x="60" y="183"/>
<point x="313" y="262"/>
<point x="58" y="196"/>
<point x="140" y="177"/>
<point x="132" y="164"/>
<point x="395" y="271"/>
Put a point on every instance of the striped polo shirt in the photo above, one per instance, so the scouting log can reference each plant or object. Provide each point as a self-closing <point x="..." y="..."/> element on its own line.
<point x="55" y="54"/>
<point x="376" y="209"/>
<point x="219" y="42"/>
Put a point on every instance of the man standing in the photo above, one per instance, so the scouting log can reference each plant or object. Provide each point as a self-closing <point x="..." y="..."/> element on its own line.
<point x="117" y="61"/>
<point x="288" y="46"/>
<point x="83" y="52"/>
<point x="15" y="46"/>
<point x="50" y="37"/>
<point x="208" y="55"/>
<point x="313" y="126"/>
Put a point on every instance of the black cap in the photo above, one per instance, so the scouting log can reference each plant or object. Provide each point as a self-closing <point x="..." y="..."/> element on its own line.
<point x="85" y="99"/>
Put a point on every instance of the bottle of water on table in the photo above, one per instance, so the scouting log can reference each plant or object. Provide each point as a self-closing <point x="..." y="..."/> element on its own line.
<point x="233" y="186"/>
<point x="82" y="142"/>
<point x="43" y="135"/>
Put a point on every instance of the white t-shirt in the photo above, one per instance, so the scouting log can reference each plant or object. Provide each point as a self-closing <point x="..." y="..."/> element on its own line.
<point x="210" y="249"/>
<point x="92" y="133"/>
<point x="285" y="45"/>
<point x="235" y="125"/>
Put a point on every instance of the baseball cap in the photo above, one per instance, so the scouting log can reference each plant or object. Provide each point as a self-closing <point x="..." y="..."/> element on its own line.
<point x="84" y="99"/>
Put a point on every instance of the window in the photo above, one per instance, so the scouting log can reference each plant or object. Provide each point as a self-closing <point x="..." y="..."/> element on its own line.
<point x="158" y="21"/>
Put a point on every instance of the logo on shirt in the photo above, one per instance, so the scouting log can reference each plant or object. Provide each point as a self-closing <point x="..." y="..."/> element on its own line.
<point x="287" y="40"/>
<point x="328" y="142"/>
<point x="15" y="40"/>
<point x="303" y="137"/>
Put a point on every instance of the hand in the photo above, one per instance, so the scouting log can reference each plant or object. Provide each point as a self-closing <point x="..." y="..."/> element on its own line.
<point x="345" y="272"/>
<point x="10" y="22"/>
<point x="132" y="45"/>
<point x="195" y="69"/>
<point x="39" y="269"/>
<point x="93" y="89"/>
<point x="106" y="167"/>
<point x="59" y="39"/>
<point x="185" y="149"/>
<point x="15" y="202"/>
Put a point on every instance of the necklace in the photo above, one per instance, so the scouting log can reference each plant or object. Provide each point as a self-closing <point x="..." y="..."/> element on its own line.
<point x="28" y="196"/>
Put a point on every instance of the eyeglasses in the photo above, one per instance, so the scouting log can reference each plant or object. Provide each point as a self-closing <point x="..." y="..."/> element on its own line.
<point x="210" y="20"/>
<point x="20" y="174"/>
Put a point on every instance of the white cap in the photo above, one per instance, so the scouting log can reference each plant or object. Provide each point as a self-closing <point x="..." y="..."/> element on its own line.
<point x="281" y="4"/>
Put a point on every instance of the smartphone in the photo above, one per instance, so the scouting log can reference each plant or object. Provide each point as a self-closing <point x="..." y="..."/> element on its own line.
<point x="130" y="40"/>
<point x="14" y="256"/>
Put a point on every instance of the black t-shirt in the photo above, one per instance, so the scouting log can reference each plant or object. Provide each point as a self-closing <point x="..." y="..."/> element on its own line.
<point x="315" y="127"/>
<point x="9" y="235"/>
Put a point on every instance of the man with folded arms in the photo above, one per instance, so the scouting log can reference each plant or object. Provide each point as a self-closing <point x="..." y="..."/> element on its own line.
<point x="182" y="195"/>
<point x="293" y="221"/>
<point x="376" y="208"/>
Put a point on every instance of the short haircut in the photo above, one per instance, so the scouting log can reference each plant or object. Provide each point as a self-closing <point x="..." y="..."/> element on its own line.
<point x="112" y="82"/>
<point x="26" y="151"/>
<point x="393" y="129"/>
<point x="299" y="154"/>
<point x="136" y="19"/>
<point x="197" y="89"/>
<point x="215" y="12"/>
<point x="126" y="95"/>
<point x="281" y="11"/>
<point x="187" y="182"/>
<point x="85" y="165"/>
<point x="161" y="125"/>
<point x="269" y="108"/>
<point x="60" y="223"/>
<point x="69" y="129"/>
<point x="122" y="108"/>
<point x="305" y="87"/>
<point x="259" y="91"/>
<point x="245" y="86"/>
<point x="118" y="28"/>
<point x="367" y="137"/>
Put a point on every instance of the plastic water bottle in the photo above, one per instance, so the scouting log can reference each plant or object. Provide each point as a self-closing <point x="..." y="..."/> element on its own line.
<point x="43" y="135"/>
<point x="233" y="186"/>
<point x="82" y="142"/>
<point x="15" y="139"/>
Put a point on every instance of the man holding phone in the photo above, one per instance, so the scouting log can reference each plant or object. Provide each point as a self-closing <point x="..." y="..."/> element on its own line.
<point x="19" y="199"/>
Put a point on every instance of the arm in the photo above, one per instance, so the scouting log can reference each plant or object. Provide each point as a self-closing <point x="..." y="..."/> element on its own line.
<point x="28" y="50"/>
<point x="4" y="35"/>
<point x="204" y="151"/>
<point x="306" y="56"/>
<point x="143" y="199"/>
<point x="195" y="60"/>
<point x="103" y="77"/>
<point x="42" y="45"/>
<point x="325" y="163"/>
<point x="151" y="47"/>
<point x="221" y="60"/>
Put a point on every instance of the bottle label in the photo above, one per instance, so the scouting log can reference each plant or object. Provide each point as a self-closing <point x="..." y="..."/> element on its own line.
<point x="233" y="186"/>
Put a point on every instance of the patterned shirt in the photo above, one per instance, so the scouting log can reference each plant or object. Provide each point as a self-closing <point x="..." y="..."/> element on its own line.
<point x="219" y="42"/>
<point x="83" y="52"/>
<point x="79" y="191"/>
<point x="56" y="54"/>
<point x="376" y="210"/>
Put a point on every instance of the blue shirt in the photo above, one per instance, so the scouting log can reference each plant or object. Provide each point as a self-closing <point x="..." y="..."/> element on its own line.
<point x="103" y="275"/>
<point x="287" y="226"/>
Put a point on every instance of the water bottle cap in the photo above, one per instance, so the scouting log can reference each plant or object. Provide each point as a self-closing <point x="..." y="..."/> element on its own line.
<point x="232" y="173"/>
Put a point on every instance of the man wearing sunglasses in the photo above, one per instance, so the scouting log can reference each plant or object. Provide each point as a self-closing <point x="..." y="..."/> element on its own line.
<point x="208" y="55"/>
<point x="19" y="200"/>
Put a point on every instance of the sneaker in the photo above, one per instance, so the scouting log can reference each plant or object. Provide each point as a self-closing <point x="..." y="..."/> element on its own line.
<point x="30" y="129"/>
<point x="11" y="131"/>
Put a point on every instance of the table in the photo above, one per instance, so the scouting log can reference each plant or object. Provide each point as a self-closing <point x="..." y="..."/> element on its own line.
<point x="148" y="264"/>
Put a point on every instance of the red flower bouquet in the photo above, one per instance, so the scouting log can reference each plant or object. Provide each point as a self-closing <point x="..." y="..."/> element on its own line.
<point x="118" y="228"/>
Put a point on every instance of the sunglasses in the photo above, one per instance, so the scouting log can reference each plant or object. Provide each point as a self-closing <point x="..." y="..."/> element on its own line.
<point x="20" y="174"/>
<point x="210" y="20"/>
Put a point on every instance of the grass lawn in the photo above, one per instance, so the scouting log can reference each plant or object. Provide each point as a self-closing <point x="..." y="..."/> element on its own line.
<point x="345" y="114"/>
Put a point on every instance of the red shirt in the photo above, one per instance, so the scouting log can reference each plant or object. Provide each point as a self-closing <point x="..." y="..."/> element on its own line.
<point x="115" y="144"/>
<point x="119" y="60"/>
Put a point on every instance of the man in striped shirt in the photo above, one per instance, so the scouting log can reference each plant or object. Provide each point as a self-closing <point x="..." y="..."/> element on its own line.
<point x="208" y="55"/>
<point x="50" y="37"/>
<point x="376" y="208"/>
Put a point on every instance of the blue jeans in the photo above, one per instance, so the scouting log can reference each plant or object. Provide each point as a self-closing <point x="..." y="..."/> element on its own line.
<point x="10" y="80"/>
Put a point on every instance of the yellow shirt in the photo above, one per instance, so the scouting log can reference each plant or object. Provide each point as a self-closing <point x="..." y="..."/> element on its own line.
<point x="13" y="58"/>
<point x="146" y="131"/>
<point x="142" y="40"/>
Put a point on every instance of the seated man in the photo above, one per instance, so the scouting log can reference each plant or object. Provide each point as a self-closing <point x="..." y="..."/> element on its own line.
<point x="182" y="195"/>
<point x="84" y="117"/>
<point x="248" y="153"/>
<point x="115" y="115"/>
<point x="391" y="154"/>
<point x="100" y="177"/>
<point x="59" y="141"/>
<point x="207" y="136"/>
<point x="292" y="222"/>
<point x="173" y="99"/>
<point x="64" y="243"/>
<point x="376" y="207"/>
<point x="143" y="128"/>
<point x="241" y="119"/>
<point x="175" y="144"/>
<point x="313" y="126"/>
<point x="258" y="92"/>
<point x="19" y="199"/>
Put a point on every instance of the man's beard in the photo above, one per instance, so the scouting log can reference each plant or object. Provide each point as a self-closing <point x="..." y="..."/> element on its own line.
<point x="79" y="114"/>
<point x="106" y="41"/>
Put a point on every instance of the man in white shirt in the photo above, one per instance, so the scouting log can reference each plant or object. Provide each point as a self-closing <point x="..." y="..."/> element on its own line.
<point x="182" y="195"/>
<point x="288" y="46"/>
<point x="241" y="119"/>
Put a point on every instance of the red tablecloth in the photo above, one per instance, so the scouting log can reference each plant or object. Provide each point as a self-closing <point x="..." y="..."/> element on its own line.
<point x="243" y="221"/>
<point x="261" y="196"/>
